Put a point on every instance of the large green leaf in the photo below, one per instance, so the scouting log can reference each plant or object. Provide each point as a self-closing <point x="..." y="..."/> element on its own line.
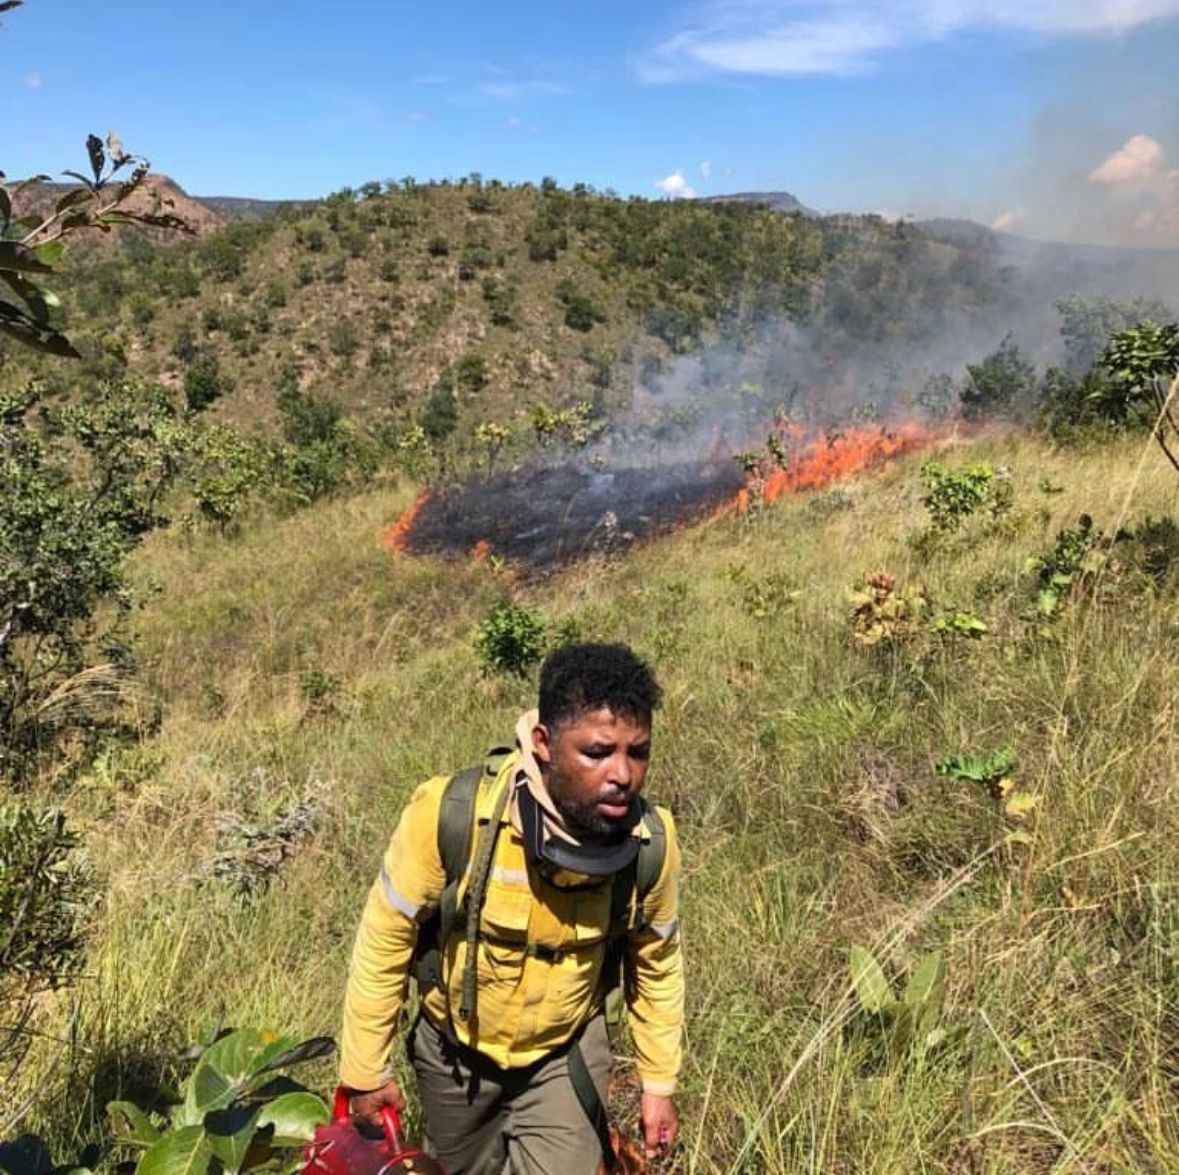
<point x="269" y="1052"/>
<point x="51" y="252"/>
<point x="180" y="1152"/>
<point x="294" y="1117"/>
<point x="129" y="1124"/>
<point x="244" y="1052"/>
<point x="226" y="1066"/>
<point x="208" y="1089"/>
<point x="926" y="991"/>
<point x="230" y="1133"/>
<point x="869" y="981"/>
<point x="307" y="1050"/>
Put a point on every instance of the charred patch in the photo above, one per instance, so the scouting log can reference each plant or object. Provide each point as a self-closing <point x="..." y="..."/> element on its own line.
<point x="548" y="516"/>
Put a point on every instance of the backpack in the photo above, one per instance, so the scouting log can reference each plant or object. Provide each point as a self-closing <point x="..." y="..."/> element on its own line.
<point x="456" y="819"/>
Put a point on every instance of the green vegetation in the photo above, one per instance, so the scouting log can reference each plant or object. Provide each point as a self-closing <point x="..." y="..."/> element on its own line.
<point x="360" y="292"/>
<point x="236" y="1113"/>
<point x="1017" y="1006"/>
<point x="511" y="639"/>
<point x="228" y="713"/>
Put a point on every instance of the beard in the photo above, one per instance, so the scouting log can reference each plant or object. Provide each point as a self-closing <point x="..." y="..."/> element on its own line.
<point x="584" y="820"/>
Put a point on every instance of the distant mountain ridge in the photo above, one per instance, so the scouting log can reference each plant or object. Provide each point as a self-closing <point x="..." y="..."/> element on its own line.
<point x="777" y="201"/>
<point x="246" y="207"/>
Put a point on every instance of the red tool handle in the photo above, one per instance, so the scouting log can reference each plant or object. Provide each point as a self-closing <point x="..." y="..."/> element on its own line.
<point x="390" y="1118"/>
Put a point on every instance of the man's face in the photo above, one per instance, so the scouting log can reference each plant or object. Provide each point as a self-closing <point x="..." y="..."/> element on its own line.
<point x="594" y="766"/>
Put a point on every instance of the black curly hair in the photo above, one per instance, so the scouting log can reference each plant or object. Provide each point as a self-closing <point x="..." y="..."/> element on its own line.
<point x="580" y="677"/>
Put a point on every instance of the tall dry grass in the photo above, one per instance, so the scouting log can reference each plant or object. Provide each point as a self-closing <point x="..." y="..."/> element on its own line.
<point x="802" y="771"/>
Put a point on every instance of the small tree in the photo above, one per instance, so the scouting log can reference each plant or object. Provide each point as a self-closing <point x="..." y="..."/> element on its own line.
<point x="1002" y="385"/>
<point x="1144" y="362"/>
<point x="441" y="414"/>
<point x="81" y="488"/>
<point x="511" y="639"/>
<point x="203" y="382"/>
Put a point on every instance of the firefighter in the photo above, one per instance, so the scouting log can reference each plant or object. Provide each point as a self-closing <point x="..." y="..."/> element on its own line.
<point x="518" y="894"/>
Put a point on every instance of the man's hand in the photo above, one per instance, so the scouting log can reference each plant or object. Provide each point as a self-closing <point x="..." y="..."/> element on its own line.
<point x="661" y="1123"/>
<point x="367" y="1106"/>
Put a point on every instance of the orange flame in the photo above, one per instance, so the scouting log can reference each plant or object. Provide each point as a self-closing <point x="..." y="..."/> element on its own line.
<point x="831" y="456"/>
<point x="481" y="551"/>
<point x="395" y="536"/>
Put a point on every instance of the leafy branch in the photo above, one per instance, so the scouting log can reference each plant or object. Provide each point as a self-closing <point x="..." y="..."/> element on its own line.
<point x="33" y="243"/>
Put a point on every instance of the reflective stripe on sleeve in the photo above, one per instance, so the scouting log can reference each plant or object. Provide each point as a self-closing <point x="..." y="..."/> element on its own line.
<point x="510" y="876"/>
<point x="665" y="929"/>
<point x="397" y="899"/>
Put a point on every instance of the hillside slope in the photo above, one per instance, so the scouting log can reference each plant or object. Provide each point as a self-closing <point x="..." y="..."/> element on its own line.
<point x="301" y="664"/>
<point x="511" y="298"/>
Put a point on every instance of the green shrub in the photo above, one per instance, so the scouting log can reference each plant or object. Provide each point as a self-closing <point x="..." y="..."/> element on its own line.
<point x="441" y="412"/>
<point x="204" y="382"/>
<point x="511" y="639"/>
<point x="43" y="890"/>
<point x="952" y="495"/>
<point x="81" y="488"/>
<point x="226" y="470"/>
<point x="236" y="1114"/>
<point x="472" y="372"/>
<point x="581" y="314"/>
<point x="1077" y="555"/>
<point x="1001" y="385"/>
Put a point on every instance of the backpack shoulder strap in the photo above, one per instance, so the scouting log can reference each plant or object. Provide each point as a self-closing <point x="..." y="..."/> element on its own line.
<point x="456" y="823"/>
<point x="630" y="887"/>
<point x="637" y="880"/>
<point x="456" y="816"/>
<point x="652" y="853"/>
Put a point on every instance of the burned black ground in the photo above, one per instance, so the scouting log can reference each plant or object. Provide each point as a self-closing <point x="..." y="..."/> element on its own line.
<point x="544" y="517"/>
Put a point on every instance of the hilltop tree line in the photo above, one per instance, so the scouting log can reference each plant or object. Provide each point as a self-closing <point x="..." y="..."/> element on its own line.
<point x="407" y="303"/>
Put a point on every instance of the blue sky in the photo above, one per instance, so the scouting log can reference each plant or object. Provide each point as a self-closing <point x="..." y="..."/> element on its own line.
<point x="1006" y="111"/>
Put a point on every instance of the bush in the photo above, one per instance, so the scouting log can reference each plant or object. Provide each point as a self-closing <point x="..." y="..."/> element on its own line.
<point x="581" y="314"/>
<point x="501" y="301"/>
<point x="441" y="413"/>
<point x="69" y="517"/>
<point x="42" y="892"/>
<point x="511" y="639"/>
<point x="952" y="496"/>
<point x="307" y="417"/>
<point x="472" y="373"/>
<point x="228" y="468"/>
<point x="236" y="1113"/>
<point x="204" y="383"/>
<point x="1002" y="385"/>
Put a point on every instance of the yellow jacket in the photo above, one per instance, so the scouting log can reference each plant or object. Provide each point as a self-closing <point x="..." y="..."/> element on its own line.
<point x="528" y="1004"/>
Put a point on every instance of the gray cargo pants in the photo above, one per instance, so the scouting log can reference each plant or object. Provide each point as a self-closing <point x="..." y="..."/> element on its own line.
<point x="484" y="1120"/>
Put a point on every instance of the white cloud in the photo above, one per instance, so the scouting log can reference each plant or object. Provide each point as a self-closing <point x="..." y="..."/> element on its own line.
<point x="706" y="170"/>
<point x="1137" y="165"/>
<point x="801" y="37"/>
<point x="517" y="91"/>
<point x="34" y="81"/>
<point x="675" y="186"/>
<point x="1142" y="190"/>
